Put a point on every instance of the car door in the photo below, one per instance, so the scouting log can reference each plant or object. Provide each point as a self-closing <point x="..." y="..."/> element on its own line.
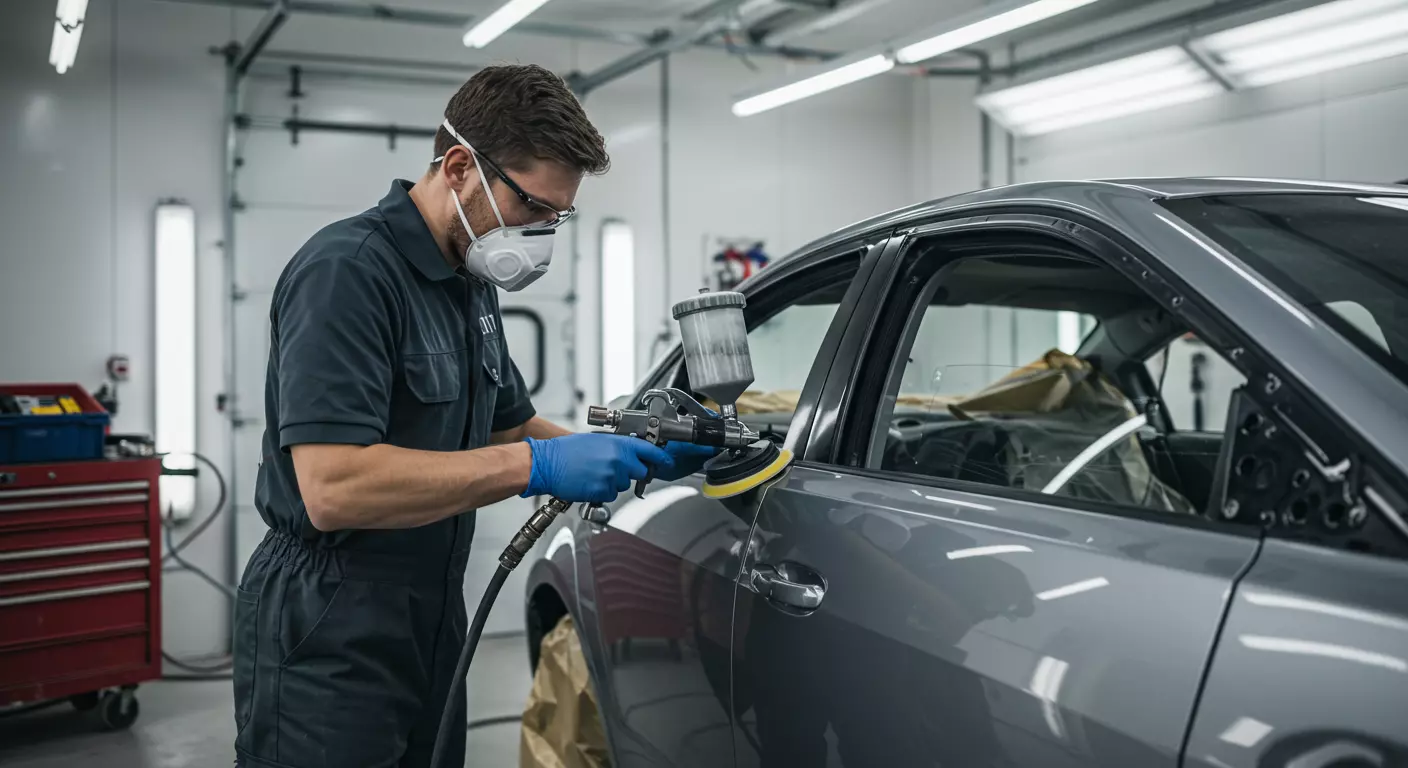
<point x="662" y="568"/>
<point x="927" y="607"/>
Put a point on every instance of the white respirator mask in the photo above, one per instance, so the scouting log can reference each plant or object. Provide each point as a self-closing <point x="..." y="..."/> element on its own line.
<point x="509" y="257"/>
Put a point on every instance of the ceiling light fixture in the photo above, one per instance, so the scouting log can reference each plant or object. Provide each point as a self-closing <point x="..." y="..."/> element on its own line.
<point x="1326" y="37"/>
<point x="1127" y="86"/>
<point x="500" y="21"/>
<point x="68" y="30"/>
<point x="834" y="77"/>
<point x="988" y="25"/>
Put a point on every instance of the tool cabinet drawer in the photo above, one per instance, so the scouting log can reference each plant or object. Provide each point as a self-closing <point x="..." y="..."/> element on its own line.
<point x="79" y="577"/>
<point x="73" y="505"/>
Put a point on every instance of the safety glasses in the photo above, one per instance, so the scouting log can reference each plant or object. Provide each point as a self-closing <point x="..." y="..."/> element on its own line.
<point x="552" y="217"/>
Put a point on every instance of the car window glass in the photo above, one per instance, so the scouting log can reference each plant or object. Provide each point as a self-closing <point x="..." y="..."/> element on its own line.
<point x="970" y="401"/>
<point x="783" y="348"/>
<point x="1358" y="315"/>
<point x="1341" y="257"/>
<point x="784" y="344"/>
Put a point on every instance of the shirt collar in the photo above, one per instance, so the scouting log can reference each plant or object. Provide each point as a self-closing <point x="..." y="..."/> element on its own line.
<point x="412" y="235"/>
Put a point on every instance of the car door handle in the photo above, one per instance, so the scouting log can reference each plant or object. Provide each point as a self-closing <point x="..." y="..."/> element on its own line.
<point x="789" y="584"/>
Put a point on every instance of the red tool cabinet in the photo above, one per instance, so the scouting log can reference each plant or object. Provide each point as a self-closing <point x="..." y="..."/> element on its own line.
<point x="80" y="582"/>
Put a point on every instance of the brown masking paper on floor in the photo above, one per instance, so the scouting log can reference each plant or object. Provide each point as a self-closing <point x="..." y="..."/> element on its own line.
<point x="562" y="722"/>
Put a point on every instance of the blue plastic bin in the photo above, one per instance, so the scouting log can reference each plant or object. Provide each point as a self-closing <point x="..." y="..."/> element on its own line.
<point x="27" y="439"/>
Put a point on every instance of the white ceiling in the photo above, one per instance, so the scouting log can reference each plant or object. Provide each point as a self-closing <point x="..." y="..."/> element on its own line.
<point x="887" y="19"/>
<point x="884" y="20"/>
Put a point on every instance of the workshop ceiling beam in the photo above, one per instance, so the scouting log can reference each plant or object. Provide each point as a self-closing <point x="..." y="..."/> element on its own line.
<point x="817" y="23"/>
<point x="666" y="43"/>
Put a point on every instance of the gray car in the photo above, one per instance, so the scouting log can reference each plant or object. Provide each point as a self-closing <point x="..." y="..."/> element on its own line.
<point x="1088" y="474"/>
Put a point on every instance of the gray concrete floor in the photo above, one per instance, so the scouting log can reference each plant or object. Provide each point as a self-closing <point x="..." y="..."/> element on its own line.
<point x="190" y="724"/>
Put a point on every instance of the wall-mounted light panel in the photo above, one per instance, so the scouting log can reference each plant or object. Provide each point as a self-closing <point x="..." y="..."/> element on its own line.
<point x="618" y="309"/>
<point x="174" y="294"/>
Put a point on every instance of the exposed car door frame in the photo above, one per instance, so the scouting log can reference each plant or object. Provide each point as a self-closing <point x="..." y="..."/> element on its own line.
<point x="1315" y="430"/>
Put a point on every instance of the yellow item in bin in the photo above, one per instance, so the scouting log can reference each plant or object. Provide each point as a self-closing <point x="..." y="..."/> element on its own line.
<point x="46" y="410"/>
<point x="68" y="404"/>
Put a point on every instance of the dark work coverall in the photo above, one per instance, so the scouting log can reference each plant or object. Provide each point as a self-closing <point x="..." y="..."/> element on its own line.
<point x="345" y="642"/>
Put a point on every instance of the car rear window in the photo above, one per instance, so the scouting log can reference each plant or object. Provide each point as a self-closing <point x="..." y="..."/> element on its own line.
<point x="1343" y="257"/>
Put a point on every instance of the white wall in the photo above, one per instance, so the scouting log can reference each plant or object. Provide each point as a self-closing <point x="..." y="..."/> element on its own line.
<point x="139" y="119"/>
<point x="86" y="156"/>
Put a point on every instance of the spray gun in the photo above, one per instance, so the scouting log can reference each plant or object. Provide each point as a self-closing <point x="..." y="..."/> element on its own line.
<point x="670" y="415"/>
<point x="716" y="354"/>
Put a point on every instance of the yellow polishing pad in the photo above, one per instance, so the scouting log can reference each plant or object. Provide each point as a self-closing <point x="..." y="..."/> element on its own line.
<point x="784" y="458"/>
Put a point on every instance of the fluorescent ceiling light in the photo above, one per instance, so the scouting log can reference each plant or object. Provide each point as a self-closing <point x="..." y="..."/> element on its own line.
<point x="175" y="381"/>
<point x="811" y="86"/>
<point x="500" y="21"/>
<point x="1127" y="86"/>
<point x="68" y="30"/>
<point x="1320" y="39"/>
<point x="993" y="25"/>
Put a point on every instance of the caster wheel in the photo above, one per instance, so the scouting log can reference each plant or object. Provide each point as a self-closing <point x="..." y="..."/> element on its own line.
<point x="84" y="702"/>
<point x="118" y="710"/>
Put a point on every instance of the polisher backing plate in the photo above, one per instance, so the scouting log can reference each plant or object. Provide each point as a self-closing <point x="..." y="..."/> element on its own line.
<point x="730" y="474"/>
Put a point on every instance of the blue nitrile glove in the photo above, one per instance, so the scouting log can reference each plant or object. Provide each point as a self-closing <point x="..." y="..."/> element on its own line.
<point x="688" y="457"/>
<point x="591" y="467"/>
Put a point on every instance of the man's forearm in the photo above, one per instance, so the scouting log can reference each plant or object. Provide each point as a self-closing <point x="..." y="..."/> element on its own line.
<point x="382" y="486"/>
<point x="537" y="428"/>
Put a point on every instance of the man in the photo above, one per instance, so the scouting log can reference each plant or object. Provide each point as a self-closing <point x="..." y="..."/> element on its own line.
<point x="393" y="412"/>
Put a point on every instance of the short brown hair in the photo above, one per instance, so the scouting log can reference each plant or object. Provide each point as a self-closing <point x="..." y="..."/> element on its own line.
<point x="514" y="114"/>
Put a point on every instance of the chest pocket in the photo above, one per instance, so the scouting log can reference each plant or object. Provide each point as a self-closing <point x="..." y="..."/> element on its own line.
<point x="434" y="377"/>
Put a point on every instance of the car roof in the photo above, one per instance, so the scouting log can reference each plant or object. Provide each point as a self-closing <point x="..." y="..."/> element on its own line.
<point x="1065" y="191"/>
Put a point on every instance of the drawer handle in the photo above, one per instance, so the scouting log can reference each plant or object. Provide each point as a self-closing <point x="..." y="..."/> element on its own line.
<point x="60" y="490"/>
<point x="86" y="501"/>
<point x="74" y="570"/>
<point x="66" y="594"/>
<point x="77" y="549"/>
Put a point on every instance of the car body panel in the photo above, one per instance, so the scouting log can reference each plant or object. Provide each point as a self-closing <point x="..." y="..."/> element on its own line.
<point x="1105" y="675"/>
<point x="663" y="569"/>
<point x="658" y="583"/>
<point x="1312" y="667"/>
<point x="963" y="629"/>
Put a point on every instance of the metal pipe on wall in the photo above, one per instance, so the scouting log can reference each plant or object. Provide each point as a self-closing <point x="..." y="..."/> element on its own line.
<point x="238" y="60"/>
<point x="665" y="316"/>
<point x="227" y="247"/>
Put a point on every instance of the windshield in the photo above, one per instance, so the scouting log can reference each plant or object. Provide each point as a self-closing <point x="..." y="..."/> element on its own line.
<point x="1344" y="258"/>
